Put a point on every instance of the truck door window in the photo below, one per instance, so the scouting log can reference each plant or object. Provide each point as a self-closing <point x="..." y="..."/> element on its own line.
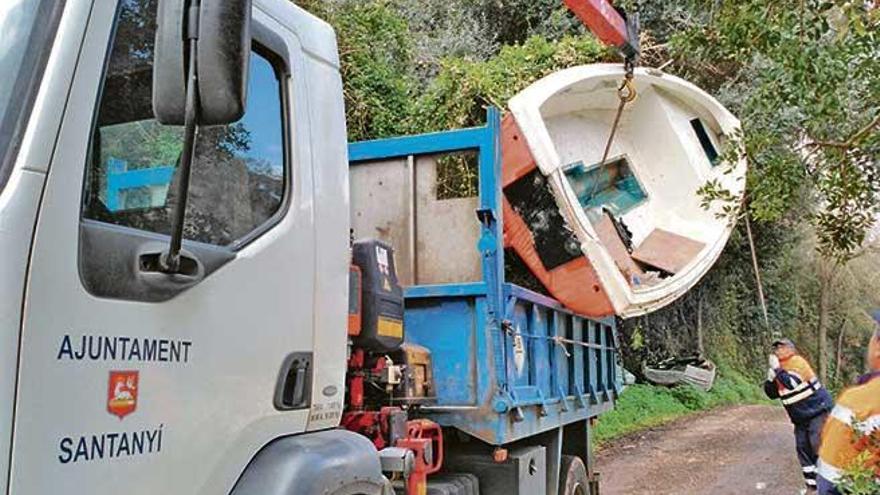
<point x="238" y="176"/>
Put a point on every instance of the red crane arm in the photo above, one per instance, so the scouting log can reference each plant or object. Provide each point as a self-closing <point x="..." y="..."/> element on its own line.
<point x="605" y="22"/>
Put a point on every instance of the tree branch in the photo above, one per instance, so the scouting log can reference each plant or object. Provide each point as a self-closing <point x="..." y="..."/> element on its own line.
<point x="852" y="141"/>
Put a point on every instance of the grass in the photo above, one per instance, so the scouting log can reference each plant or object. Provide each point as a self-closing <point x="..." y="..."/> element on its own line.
<point x="644" y="406"/>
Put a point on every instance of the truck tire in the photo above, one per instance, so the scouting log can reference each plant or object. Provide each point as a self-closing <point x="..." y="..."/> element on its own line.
<point x="573" y="476"/>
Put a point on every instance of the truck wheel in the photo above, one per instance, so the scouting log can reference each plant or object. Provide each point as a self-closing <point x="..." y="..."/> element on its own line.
<point x="573" y="476"/>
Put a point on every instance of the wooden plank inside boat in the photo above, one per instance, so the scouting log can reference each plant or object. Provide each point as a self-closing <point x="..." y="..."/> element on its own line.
<point x="609" y="237"/>
<point x="667" y="251"/>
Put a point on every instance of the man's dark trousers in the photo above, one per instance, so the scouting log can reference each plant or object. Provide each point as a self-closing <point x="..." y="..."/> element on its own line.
<point x="807" y="437"/>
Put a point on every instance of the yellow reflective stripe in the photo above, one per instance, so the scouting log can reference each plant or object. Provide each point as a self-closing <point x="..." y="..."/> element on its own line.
<point x="828" y="471"/>
<point x="812" y="384"/>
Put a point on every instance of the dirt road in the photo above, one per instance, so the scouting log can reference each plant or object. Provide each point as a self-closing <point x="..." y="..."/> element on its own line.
<point x="736" y="451"/>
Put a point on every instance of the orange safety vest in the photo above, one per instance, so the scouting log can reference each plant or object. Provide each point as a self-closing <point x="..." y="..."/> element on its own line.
<point x="800" y="368"/>
<point x="854" y="420"/>
<point x="797" y="387"/>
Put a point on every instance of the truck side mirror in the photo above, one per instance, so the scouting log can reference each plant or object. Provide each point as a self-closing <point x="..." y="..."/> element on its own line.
<point x="200" y="69"/>
<point x="222" y="35"/>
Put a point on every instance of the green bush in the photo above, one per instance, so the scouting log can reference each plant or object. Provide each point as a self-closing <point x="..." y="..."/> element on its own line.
<point x="385" y="93"/>
<point x="464" y="87"/>
<point x="644" y="406"/>
<point x="376" y="54"/>
<point x="639" y="407"/>
<point x="860" y="477"/>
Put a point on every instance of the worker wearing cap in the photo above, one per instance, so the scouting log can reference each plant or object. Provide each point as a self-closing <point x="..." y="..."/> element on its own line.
<point x="791" y="380"/>
<point x="853" y="425"/>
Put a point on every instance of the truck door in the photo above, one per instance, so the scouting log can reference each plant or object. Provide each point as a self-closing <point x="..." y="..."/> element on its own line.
<point x="133" y="381"/>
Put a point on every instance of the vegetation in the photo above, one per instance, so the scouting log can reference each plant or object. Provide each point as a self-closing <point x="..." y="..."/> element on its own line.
<point x="387" y="87"/>
<point x="860" y="477"/>
<point x="643" y="406"/>
<point x="804" y="78"/>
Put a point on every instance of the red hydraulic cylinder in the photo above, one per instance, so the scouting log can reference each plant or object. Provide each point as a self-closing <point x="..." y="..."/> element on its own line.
<point x="423" y="436"/>
<point x="605" y="22"/>
<point x="356" y="381"/>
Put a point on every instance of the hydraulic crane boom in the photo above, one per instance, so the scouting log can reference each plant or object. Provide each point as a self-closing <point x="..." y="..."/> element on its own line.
<point x="607" y="24"/>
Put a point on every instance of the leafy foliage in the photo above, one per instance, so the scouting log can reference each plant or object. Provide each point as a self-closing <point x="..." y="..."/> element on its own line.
<point x="463" y="88"/>
<point x="377" y="61"/>
<point x="805" y="80"/>
<point x="386" y="92"/>
<point x="803" y="77"/>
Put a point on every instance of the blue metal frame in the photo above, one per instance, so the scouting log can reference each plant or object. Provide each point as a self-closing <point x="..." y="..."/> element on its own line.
<point x="119" y="179"/>
<point x="487" y="141"/>
<point x="485" y="385"/>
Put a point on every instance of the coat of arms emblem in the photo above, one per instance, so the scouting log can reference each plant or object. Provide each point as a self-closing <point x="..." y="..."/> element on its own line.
<point x="122" y="390"/>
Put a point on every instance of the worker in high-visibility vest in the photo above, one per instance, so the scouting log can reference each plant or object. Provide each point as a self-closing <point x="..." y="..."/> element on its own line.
<point x="854" y="425"/>
<point x="791" y="380"/>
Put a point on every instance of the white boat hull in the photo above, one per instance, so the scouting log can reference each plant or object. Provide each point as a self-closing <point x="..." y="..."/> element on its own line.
<point x="670" y="142"/>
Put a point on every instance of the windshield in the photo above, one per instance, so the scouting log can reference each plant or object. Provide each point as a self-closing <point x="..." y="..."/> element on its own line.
<point x="27" y="27"/>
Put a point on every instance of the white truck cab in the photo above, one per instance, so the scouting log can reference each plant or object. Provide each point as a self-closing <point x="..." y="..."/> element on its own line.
<point x="116" y="379"/>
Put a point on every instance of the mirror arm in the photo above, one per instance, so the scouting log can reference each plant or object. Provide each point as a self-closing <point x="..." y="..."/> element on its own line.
<point x="170" y="260"/>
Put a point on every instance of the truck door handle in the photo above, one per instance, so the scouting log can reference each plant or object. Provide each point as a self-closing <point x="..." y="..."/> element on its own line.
<point x="298" y="374"/>
<point x="295" y="382"/>
<point x="149" y="269"/>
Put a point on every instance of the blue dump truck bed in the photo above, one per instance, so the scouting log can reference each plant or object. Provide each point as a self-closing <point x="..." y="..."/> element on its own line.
<point x="508" y="363"/>
<point x="540" y="367"/>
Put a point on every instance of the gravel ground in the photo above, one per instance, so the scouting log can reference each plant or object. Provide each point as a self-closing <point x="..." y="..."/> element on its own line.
<point x="733" y="451"/>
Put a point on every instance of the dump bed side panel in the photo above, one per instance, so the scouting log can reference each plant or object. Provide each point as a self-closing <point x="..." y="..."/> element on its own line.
<point x="542" y="368"/>
<point x="508" y="363"/>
